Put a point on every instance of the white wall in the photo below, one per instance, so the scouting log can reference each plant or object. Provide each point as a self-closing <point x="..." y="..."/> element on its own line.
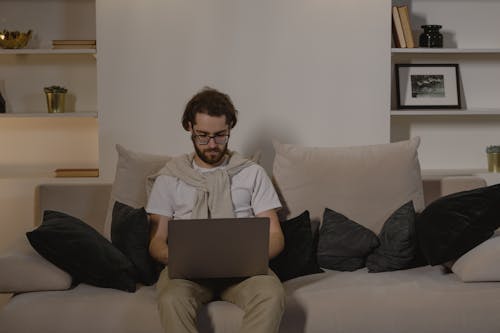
<point x="312" y="72"/>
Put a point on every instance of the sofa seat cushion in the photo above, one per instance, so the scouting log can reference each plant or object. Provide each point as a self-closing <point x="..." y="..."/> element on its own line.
<point x="81" y="310"/>
<point x="423" y="299"/>
<point x="87" y="309"/>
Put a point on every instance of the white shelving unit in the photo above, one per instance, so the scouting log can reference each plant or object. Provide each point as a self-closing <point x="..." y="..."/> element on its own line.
<point x="34" y="142"/>
<point x="454" y="139"/>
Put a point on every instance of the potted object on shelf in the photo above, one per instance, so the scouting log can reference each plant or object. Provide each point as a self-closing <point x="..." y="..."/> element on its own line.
<point x="14" y="39"/>
<point x="431" y="37"/>
<point x="493" y="153"/>
<point x="55" y="98"/>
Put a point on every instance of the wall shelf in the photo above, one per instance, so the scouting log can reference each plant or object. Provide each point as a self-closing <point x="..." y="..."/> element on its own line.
<point x="86" y="114"/>
<point x="458" y="113"/>
<point x="47" y="51"/>
<point x="491" y="178"/>
<point x="419" y="50"/>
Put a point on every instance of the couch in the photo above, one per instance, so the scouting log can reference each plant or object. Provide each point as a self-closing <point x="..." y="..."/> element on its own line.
<point x="365" y="183"/>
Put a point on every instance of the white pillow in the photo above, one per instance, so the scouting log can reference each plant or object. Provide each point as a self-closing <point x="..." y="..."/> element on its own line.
<point x="480" y="264"/>
<point x="366" y="183"/>
<point x="129" y="186"/>
<point x="24" y="270"/>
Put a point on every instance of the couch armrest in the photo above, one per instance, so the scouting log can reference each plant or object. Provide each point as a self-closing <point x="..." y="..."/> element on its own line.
<point x="22" y="269"/>
<point x="86" y="201"/>
<point x="436" y="187"/>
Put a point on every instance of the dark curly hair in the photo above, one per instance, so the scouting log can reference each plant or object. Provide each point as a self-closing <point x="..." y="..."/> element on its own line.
<point x="211" y="102"/>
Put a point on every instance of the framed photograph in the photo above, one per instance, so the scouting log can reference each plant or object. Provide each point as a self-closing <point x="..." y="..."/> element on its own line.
<point x="427" y="86"/>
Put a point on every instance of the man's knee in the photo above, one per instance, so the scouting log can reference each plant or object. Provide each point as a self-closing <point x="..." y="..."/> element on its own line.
<point x="269" y="289"/>
<point x="176" y="296"/>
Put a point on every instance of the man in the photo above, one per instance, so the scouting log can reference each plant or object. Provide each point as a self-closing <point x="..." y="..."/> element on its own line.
<point x="214" y="182"/>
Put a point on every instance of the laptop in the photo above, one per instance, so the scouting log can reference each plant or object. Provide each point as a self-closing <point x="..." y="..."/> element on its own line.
<point x="218" y="248"/>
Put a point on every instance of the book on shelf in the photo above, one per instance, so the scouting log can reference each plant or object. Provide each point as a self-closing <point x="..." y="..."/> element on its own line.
<point x="73" y="41"/>
<point x="397" y="29"/>
<point x="76" y="172"/>
<point x="404" y="15"/>
<point x="73" y="46"/>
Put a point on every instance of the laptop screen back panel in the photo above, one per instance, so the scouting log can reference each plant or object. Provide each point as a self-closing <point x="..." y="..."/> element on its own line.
<point x="218" y="248"/>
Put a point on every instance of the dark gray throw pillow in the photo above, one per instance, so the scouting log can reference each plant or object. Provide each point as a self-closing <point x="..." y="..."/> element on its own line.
<point x="130" y="234"/>
<point x="398" y="243"/>
<point x="343" y="244"/>
<point x="80" y="250"/>
<point x="298" y="258"/>
<point x="454" y="224"/>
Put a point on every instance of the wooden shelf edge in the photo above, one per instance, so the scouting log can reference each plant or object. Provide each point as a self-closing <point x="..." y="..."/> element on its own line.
<point x="436" y="173"/>
<point x="453" y="113"/>
<point x="47" y="51"/>
<point x="421" y="50"/>
<point x="83" y="114"/>
<point x="47" y="173"/>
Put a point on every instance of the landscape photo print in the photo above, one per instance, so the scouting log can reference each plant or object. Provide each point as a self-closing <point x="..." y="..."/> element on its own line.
<point x="427" y="86"/>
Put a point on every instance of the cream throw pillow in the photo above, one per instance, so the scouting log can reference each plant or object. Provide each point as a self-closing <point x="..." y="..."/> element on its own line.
<point x="366" y="183"/>
<point x="24" y="270"/>
<point x="482" y="263"/>
<point x="129" y="186"/>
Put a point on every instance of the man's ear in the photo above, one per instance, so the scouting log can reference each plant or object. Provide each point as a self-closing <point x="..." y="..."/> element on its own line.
<point x="190" y="127"/>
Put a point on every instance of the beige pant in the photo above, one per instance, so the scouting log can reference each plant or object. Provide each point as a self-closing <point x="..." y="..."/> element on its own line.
<point x="261" y="297"/>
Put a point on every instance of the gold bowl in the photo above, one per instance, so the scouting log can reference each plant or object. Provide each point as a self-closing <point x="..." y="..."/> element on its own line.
<point x="14" y="39"/>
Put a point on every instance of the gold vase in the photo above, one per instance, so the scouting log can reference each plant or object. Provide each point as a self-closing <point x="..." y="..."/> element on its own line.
<point x="493" y="162"/>
<point x="55" y="102"/>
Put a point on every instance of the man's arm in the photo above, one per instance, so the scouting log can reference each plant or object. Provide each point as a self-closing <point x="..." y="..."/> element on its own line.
<point x="158" y="237"/>
<point x="276" y="238"/>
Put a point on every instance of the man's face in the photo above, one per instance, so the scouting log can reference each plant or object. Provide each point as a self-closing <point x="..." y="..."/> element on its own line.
<point x="213" y="129"/>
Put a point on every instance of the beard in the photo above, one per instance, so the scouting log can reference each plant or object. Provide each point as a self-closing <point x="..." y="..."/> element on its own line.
<point x="212" y="156"/>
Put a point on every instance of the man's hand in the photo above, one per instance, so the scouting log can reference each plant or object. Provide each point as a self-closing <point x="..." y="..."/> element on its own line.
<point x="276" y="238"/>
<point x="158" y="248"/>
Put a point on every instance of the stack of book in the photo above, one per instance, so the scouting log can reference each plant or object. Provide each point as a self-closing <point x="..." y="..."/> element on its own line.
<point x="401" y="27"/>
<point x="73" y="44"/>
<point x="85" y="172"/>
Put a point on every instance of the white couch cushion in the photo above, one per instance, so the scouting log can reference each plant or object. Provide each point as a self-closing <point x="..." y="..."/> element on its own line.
<point x="129" y="186"/>
<point x="23" y="269"/>
<point x="480" y="264"/>
<point x="424" y="299"/>
<point x="365" y="183"/>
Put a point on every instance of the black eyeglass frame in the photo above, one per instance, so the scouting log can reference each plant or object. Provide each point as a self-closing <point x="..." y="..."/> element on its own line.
<point x="203" y="139"/>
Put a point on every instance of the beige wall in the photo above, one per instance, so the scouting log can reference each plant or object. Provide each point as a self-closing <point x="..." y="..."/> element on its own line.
<point x="311" y="72"/>
<point x="31" y="148"/>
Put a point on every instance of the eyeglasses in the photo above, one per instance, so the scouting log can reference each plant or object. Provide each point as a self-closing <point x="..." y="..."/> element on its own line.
<point x="203" y="139"/>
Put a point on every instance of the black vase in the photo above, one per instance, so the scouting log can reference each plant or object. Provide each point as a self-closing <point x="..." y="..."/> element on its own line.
<point x="2" y="104"/>
<point x="431" y="37"/>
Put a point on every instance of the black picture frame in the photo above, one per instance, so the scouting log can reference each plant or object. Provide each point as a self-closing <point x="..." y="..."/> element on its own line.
<point x="428" y="86"/>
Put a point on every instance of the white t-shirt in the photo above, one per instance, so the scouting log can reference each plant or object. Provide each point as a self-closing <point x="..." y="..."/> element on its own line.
<point x="251" y="192"/>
